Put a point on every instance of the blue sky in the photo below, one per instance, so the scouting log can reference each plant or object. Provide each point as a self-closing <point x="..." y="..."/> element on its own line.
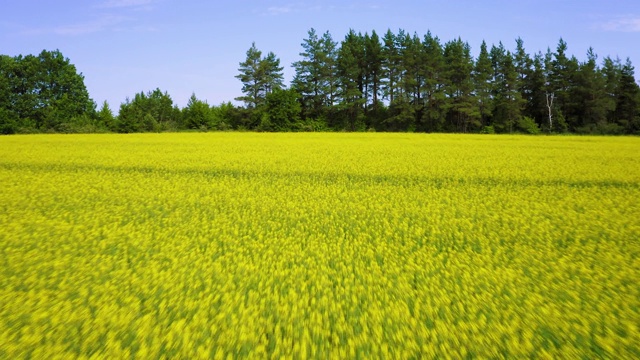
<point x="181" y="46"/>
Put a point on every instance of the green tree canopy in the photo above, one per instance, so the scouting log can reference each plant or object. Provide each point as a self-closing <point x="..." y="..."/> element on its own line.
<point x="259" y="76"/>
<point x="198" y="114"/>
<point x="43" y="91"/>
<point x="153" y="111"/>
<point x="282" y="111"/>
<point x="315" y="74"/>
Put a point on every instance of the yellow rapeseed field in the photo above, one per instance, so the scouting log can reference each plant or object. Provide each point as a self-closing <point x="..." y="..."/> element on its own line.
<point x="329" y="246"/>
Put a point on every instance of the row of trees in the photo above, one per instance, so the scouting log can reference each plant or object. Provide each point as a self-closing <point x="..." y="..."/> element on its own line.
<point x="46" y="93"/>
<point x="404" y="82"/>
<point x="397" y="82"/>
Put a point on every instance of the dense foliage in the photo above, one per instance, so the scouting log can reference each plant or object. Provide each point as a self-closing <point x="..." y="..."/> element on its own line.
<point x="404" y="82"/>
<point x="394" y="82"/>
<point x="44" y="93"/>
<point x="319" y="246"/>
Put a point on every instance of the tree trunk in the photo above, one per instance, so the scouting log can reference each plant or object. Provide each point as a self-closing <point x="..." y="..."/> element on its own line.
<point x="549" y="98"/>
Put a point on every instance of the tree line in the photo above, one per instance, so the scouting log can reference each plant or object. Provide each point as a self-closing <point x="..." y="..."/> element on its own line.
<point x="407" y="82"/>
<point x="46" y="93"/>
<point x="397" y="82"/>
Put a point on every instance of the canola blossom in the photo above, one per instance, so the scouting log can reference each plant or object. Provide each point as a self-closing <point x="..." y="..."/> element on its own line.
<point x="328" y="246"/>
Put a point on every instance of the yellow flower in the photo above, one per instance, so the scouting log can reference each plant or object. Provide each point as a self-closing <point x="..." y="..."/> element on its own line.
<point x="246" y="245"/>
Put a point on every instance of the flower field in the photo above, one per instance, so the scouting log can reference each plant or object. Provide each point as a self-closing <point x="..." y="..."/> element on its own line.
<point x="330" y="246"/>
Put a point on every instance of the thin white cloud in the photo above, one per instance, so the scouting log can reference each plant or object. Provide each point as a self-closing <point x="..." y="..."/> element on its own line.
<point x="145" y="28"/>
<point x="110" y="4"/>
<point x="113" y="15"/>
<point x="623" y="24"/>
<point x="104" y="23"/>
<point x="316" y="6"/>
<point x="279" y="10"/>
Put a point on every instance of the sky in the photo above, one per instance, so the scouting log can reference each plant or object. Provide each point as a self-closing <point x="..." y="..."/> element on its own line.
<point x="123" y="47"/>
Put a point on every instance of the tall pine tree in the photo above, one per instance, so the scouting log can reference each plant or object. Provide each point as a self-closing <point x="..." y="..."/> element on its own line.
<point x="310" y="80"/>
<point x="259" y="76"/>
<point x="463" y="112"/>
<point x="350" y="83"/>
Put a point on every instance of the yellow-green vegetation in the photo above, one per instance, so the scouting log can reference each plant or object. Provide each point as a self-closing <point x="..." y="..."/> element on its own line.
<point x="323" y="246"/>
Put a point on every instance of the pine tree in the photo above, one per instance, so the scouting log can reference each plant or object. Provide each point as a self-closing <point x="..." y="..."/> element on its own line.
<point x="259" y="76"/>
<point x="310" y="79"/>
<point x="524" y="69"/>
<point x="522" y="62"/>
<point x="252" y="78"/>
<point x="507" y="99"/>
<point x="482" y="75"/>
<point x="459" y="86"/>
<point x="373" y="55"/>
<point x="436" y="101"/>
<point x="536" y="98"/>
<point x="329" y="52"/>
<point x="390" y="66"/>
<point x="350" y="75"/>
<point x="197" y="114"/>
<point x="408" y="105"/>
<point x="590" y="93"/>
<point x="562" y="82"/>
<point x="272" y="72"/>
<point x="555" y="118"/>
<point x="627" y="100"/>
<point x="611" y="72"/>
<point x="106" y="118"/>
